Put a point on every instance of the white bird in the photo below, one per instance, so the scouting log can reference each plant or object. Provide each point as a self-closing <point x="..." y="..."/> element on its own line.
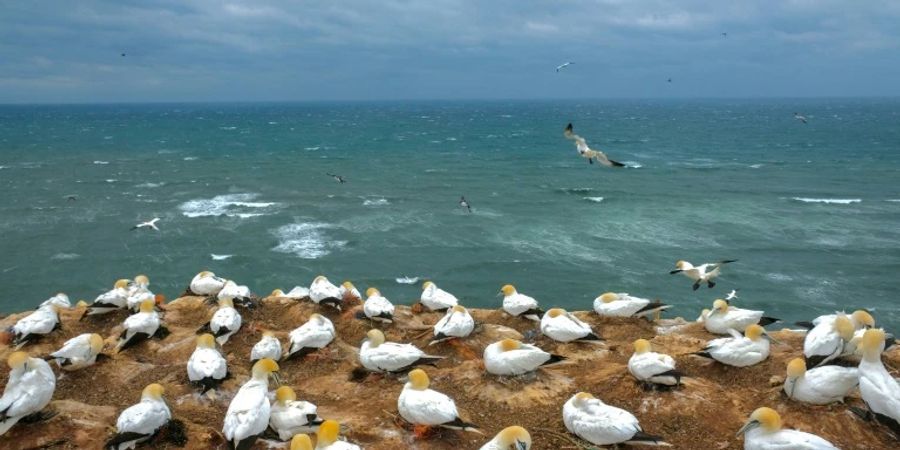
<point x="206" y="283"/>
<point x="39" y="323"/>
<point x="702" y="317"/>
<point x="800" y="117"/>
<point x="598" y="423"/>
<point x="111" y="300"/>
<point x="267" y="347"/>
<point x="206" y="367"/>
<point x="28" y="390"/>
<point x="704" y="273"/>
<point x="376" y="355"/>
<point x="731" y="295"/>
<point x="821" y="385"/>
<point x="510" y="438"/>
<point x="436" y="299"/>
<point x="301" y="442"/>
<point x="225" y="322"/>
<point x="138" y="292"/>
<point x="763" y="431"/>
<point x="290" y="416"/>
<point x="377" y="307"/>
<point x="613" y="304"/>
<point x="139" y="326"/>
<point x="349" y="291"/>
<point x="327" y="438"/>
<point x="322" y="291"/>
<point x="860" y="319"/>
<point x="563" y="326"/>
<point x="464" y="204"/>
<point x="511" y="357"/>
<point x="232" y="291"/>
<point x="140" y="422"/>
<point x="248" y="414"/>
<point x="516" y="304"/>
<point x="61" y="300"/>
<point x="879" y="389"/>
<point x="150" y="224"/>
<point x="723" y="317"/>
<point x="825" y="342"/>
<point x="297" y="293"/>
<point x="737" y="350"/>
<point x="420" y="405"/>
<point x="79" y="352"/>
<point x="564" y="65"/>
<point x="313" y="335"/>
<point x="456" y="323"/>
<point x="653" y="368"/>
<point x="587" y="152"/>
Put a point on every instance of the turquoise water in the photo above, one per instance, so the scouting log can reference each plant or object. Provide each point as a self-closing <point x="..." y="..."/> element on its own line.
<point x="811" y="211"/>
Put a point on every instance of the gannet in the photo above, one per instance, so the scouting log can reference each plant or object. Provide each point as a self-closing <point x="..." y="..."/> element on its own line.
<point x="111" y="300"/>
<point x="623" y="305"/>
<point x="28" y="390"/>
<point x="763" y="431"/>
<point x="723" y="317"/>
<point x="704" y="273"/>
<point x="702" y="317"/>
<point x="564" y="65"/>
<point x="327" y="437"/>
<point x="562" y="326"/>
<point x="821" y="385"/>
<point x="510" y="438"/>
<point x="879" y="389"/>
<point x="851" y="348"/>
<point x="290" y="416"/>
<point x="233" y="291"/>
<point x="248" y="414"/>
<point x="825" y="342"/>
<point x="377" y="355"/>
<point x="516" y="304"/>
<point x="587" y="152"/>
<point x="800" y="117"/>
<point x="377" y="307"/>
<point x="39" y="323"/>
<point x="61" y="300"/>
<point x="464" y="204"/>
<point x="138" y="292"/>
<point x="301" y="442"/>
<point x="149" y="224"/>
<point x="420" y="405"/>
<point x="511" y="357"/>
<point x="297" y="293"/>
<point x="206" y="283"/>
<point x="456" y="323"/>
<point x="598" y="423"/>
<point x="651" y="367"/>
<point x="79" y="352"/>
<point x="140" y="422"/>
<point x="206" y="367"/>
<point x="267" y="347"/>
<point x="737" y="350"/>
<point x="225" y="322"/>
<point x="731" y="295"/>
<point x="436" y="299"/>
<point x="349" y="291"/>
<point x="313" y="335"/>
<point x="322" y="291"/>
<point x="860" y="319"/>
<point x="139" y="326"/>
<point x="337" y="178"/>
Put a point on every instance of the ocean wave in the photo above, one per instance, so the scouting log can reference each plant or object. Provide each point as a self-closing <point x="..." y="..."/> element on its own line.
<point x="594" y="199"/>
<point x="230" y="205"/>
<point x="111" y="180"/>
<point x="893" y="200"/>
<point x="632" y="164"/>
<point x="149" y="185"/>
<point x="216" y="257"/>
<point x="190" y="158"/>
<point x="101" y="163"/>
<point x="838" y="201"/>
<point x="376" y="202"/>
<point x="756" y="166"/>
<point x="311" y="148"/>
<point x="305" y="240"/>
<point x="228" y="128"/>
<point x="65" y="256"/>
<point x="407" y="280"/>
<point x="576" y="191"/>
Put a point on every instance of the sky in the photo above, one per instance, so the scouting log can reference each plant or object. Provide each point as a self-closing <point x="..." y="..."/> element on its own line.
<point x="193" y="50"/>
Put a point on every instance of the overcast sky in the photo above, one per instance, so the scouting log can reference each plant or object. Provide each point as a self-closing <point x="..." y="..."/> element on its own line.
<point x="192" y="50"/>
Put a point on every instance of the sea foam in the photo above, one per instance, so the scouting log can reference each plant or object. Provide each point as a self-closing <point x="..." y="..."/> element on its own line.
<point x="838" y="201"/>
<point x="407" y="280"/>
<point x="216" y="257"/>
<point x="594" y="199"/>
<point x="230" y="205"/>
<point x="305" y="240"/>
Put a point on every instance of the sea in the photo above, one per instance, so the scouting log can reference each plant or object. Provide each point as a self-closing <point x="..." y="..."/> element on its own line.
<point x="810" y="211"/>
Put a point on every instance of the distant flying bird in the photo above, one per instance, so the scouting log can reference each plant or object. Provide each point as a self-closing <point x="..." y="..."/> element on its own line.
<point x="337" y="178"/>
<point x="800" y="117"/>
<point x="725" y="35"/>
<point x="564" y="65"/>
<point x="464" y="204"/>
<point x="150" y="224"/>
<point x="731" y="295"/>
<point x="586" y="151"/>
<point x="123" y="54"/>
<point x="71" y="198"/>
<point x="669" y="80"/>
<point x="704" y="273"/>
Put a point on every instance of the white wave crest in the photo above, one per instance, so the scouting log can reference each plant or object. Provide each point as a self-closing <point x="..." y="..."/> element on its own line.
<point x="216" y="257"/>
<point x="65" y="256"/>
<point x="190" y="158"/>
<point x="376" y="202"/>
<point x="305" y="240"/>
<point x="594" y="199"/>
<point x="230" y="205"/>
<point x="407" y="280"/>
<point x="102" y="163"/>
<point x="149" y="185"/>
<point x="838" y="201"/>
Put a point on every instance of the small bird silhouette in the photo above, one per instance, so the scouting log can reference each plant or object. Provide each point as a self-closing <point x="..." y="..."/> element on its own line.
<point x="151" y="224"/>
<point x="337" y="178"/>
<point x="465" y="204"/>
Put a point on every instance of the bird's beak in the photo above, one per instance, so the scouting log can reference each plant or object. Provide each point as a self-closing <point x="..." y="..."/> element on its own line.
<point x="521" y="445"/>
<point x="277" y="378"/>
<point x="751" y="424"/>
<point x="499" y="293"/>
<point x="775" y="341"/>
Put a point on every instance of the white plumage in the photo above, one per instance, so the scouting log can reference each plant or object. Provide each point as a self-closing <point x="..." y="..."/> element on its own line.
<point x="516" y="304"/>
<point x="322" y="291"/>
<point x="648" y="366"/>
<point x="435" y="298"/>
<point x="456" y="323"/>
<point x="598" y="423"/>
<point x="621" y="304"/>
<point x="420" y="405"/>
<point x="267" y="347"/>
<point x="225" y="322"/>
<point x="724" y="317"/>
<point x="737" y="350"/>
<point x="377" y="355"/>
<point x="79" y="352"/>
<point x="349" y="291"/>
<point x="137" y="293"/>
<point x="291" y="416"/>
<point x="28" y="390"/>
<point x="562" y="326"/>
<point x="316" y="333"/>
<point x="40" y="322"/>
<point x="115" y="298"/>
<point x="825" y="342"/>
<point x="206" y="283"/>
<point x="704" y="273"/>
<point x="248" y="414"/>
<point x="142" y="419"/>
<point x="232" y="290"/>
<point x="820" y="385"/>
<point x="377" y="307"/>
<point x="763" y="432"/>
<point x="61" y="300"/>
<point x="511" y="357"/>
<point x="140" y="325"/>
<point x="206" y="366"/>
<point x="878" y="388"/>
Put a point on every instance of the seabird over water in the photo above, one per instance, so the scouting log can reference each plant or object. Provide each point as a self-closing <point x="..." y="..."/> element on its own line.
<point x="587" y="152"/>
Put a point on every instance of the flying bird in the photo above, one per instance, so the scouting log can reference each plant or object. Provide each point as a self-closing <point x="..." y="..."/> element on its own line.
<point x="725" y="35"/>
<point x="71" y="198"/>
<point x="704" y="273"/>
<point x="150" y="224"/>
<point x="465" y="204"/>
<point x="337" y="178"/>
<point x="800" y="117"/>
<point x="563" y="65"/>
<point x="669" y="80"/>
<point x="586" y="151"/>
<point x="731" y="295"/>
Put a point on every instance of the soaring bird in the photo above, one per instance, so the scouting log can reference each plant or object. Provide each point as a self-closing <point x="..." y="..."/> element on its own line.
<point x="763" y="431"/>
<point x="150" y="224"/>
<point x="337" y="178"/>
<point x="650" y="367"/>
<point x="520" y="305"/>
<point x="313" y="335"/>
<point x="79" y="352"/>
<point x="598" y="423"/>
<point x="435" y="298"/>
<point x="376" y="355"/>
<point x="511" y="357"/>
<point x="704" y="273"/>
<point x="800" y="117"/>
<point x="28" y="390"/>
<point x="564" y="65"/>
<point x="248" y="414"/>
<point x="206" y="367"/>
<point x="420" y="405"/>
<point x="820" y="385"/>
<point x="586" y="151"/>
<point x="140" y="422"/>
<point x="510" y="438"/>
<point x="290" y="416"/>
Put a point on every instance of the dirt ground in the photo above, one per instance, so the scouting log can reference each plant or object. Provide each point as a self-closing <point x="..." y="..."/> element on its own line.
<point x="705" y="413"/>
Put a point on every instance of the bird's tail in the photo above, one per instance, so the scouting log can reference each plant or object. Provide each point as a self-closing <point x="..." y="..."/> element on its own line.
<point x="641" y="438"/>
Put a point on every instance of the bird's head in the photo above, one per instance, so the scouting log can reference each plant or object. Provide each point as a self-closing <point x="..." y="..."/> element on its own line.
<point x="609" y="297"/>
<point x="556" y="312"/>
<point x="719" y="306"/>
<point x="427" y="285"/>
<point x="17" y="360"/>
<point x="328" y="433"/>
<point x="863" y="318"/>
<point x="206" y="274"/>
<point x="301" y="442"/>
<point x="844" y="327"/>
<point x="765" y="418"/>
<point x="206" y="340"/>
<point x="418" y="379"/>
<point x="154" y="391"/>
<point x="510" y="344"/>
<point x="508" y="290"/>
<point x="348" y="285"/>
<point x="142" y="280"/>
<point x="277" y="293"/>
<point x="147" y="305"/>
<point x="265" y="368"/>
<point x="754" y="332"/>
<point x="583" y="397"/>
<point x="515" y="438"/>
<point x="642" y="346"/>
<point x="872" y="344"/>
<point x="320" y="278"/>
<point x="372" y="291"/>
<point x="122" y="283"/>
<point x="376" y="337"/>
<point x="458" y="308"/>
<point x="285" y="394"/>
<point x="681" y="264"/>
<point x="96" y="342"/>
<point x="796" y="368"/>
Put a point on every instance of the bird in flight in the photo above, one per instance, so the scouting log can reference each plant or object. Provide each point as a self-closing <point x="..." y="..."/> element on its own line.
<point x="704" y="273"/>
<point x="465" y="204"/>
<point x="800" y="117"/>
<point x="586" y="151"/>
<point x="337" y="178"/>
<point x="564" y="65"/>
<point x="725" y="35"/>
<point x="669" y="80"/>
<point x="151" y="224"/>
<point x="731" y="295"/>
<point x="71" y="198"/>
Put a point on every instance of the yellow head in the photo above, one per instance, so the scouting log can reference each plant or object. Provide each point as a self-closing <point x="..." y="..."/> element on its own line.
<point x="844" y="327"/>
<point x="754" y="332"/>
<point x="285" y="394"/>
<point x="642" y="346"/>
<point x="348" y="285"/>
<point x="514" y="437"/>
<point x="458" y="308"/>
<point x="681" y="264"/>
<point x="205" y="274"/>
<point x="765" y="418"/>
<point x="510" y="344"/>
<point x="796" y="368"/>
<point x="328" y="433"/>
<point x="872" y="344"/>
<point x="315" y="316"/>
<point x="372" y="291"/>
<point x="81" y="304"/>
<point x="320" y="278"/>
<point x="277" y="293"/>
<point x="147" y="305"/>
<point x="720" y="305"/>
<point x="268" y="334"/>
<point x="264" y="367"/>
<point x="508" y="289"/>
<point x="226" y="303"/>
<point x="418" y="379"/>
<point x="154" y="391"/>
<point x="376" y="337"/>
<point x="96" y="343"/>
<point x="863" y="318"/>
<point x="427" y="285"/>
<point x="206" y="340"/>
<point x="301" y="442"/>
<point x="555" y="312"/>
<point x="141" y="280"/>
<point x="17" y="359"/>
<point x="609" y="297"/>
<point x="121" y="284"/>
<point x="582" y="397"/>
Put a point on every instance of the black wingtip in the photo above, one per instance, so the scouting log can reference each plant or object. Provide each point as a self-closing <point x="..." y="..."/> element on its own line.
<point x="804" y="324"/>
<point x="673" y="272"/>
<point x="647" y="439"/>
<point x="554" y="359"/>
<point x="569" y="127"/>
<point x="765" y="321"/>
<point x="704" y="354"/>
<point x="814" y="361"/>
<point x="616" y="163"/>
